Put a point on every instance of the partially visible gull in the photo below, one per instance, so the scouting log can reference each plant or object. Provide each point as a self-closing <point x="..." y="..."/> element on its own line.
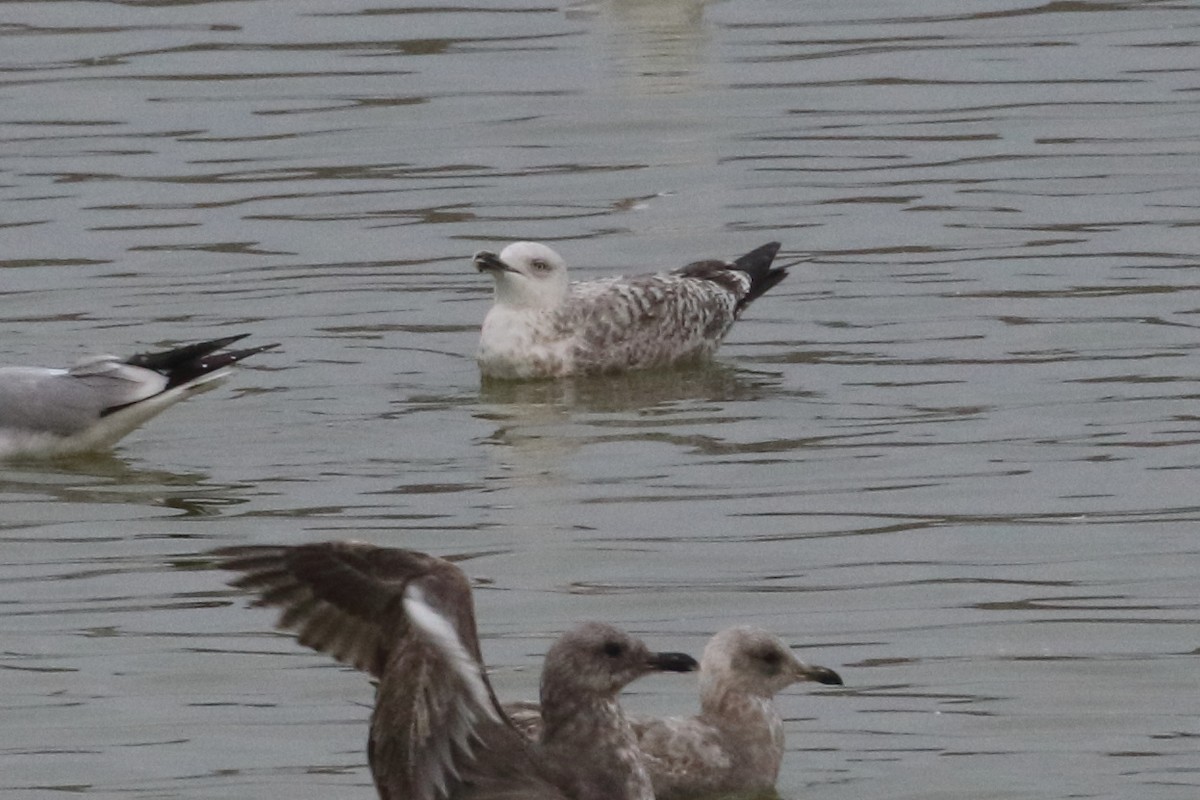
<point x="734" y="746"/>
<point x="47" y="412"/>
<point x="542" y="326"/>
<point x="437" y="731"/>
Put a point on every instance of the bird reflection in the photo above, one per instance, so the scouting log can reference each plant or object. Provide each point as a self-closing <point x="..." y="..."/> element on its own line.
<point x="642" y="391"/>
<point x="540" y="425"/>
<point x="104" y="478"/>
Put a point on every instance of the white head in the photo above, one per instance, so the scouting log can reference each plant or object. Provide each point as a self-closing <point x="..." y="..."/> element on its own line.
<point x="752" y="661"/>
<point x="527" y="275"/>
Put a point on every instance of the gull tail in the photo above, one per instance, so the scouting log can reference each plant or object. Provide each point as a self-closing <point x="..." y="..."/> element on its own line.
<point x="757" y="265"/>
<point x="190" y="362"/>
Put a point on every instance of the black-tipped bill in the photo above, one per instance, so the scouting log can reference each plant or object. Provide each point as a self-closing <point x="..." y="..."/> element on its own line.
<point x="673" y="662"/>
<point x="486" y="261"/>
<point x="823" y="675"/>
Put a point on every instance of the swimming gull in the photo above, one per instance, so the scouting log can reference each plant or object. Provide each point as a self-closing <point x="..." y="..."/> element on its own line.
<point x="735" y="744"/>
<point x="437" y="731"/>
<point x="47" y="412"/>
<point x="542" y="326"/>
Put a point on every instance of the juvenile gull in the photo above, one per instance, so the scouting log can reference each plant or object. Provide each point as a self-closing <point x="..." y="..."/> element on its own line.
<point x="735" y="744"/>
<point x="49" y="412"/>
<point x="437" y="731"/>
<point x="542" y="326"/>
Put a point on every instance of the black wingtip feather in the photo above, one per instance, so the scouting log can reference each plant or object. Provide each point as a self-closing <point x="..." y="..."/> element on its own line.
<point x="191" y="370"/>
<point x="168" y="360"/>
<point x="184" y="364"/>
<point x="757" y="264"/>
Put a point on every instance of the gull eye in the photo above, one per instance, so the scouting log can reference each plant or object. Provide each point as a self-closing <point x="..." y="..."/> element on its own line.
<point x="613" y="649"/>
<point x="772" y="658"/>
<point x="541" y="265"/>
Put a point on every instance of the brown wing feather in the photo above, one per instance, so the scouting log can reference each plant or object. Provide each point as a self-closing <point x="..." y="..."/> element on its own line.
<point x="436" y="731"/>
<point x="342" y="598"/>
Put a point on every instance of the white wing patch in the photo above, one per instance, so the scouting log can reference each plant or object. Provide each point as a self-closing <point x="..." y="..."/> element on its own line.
<point x="442" y="635"/>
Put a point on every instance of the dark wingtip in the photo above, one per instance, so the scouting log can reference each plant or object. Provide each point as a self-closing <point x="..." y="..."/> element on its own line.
<point x="167" y="359"/>
<point x="757" y="264"/>
<point x="190" y="370"/>
<point x="185" y="364"/>
<point x="759" y="258"/>
<point x="238" y="355"/>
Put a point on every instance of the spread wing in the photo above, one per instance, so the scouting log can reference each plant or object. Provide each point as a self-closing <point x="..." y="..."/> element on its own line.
<point x="341" y="598"/>
<point x="408" y="619"/>
<point x="437" y="731"/>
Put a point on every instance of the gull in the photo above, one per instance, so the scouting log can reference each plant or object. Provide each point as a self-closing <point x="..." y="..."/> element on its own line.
<point x="437" y="731"/>
<point x="46" y="412"/>
<point x="542" y="326"/>
<point x="734" y="746"/>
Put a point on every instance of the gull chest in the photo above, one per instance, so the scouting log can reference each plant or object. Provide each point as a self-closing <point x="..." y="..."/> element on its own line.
<point x="522" y="343"/>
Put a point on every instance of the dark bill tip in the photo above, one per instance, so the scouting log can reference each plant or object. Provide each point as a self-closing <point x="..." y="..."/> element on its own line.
<point x="674" y="662"/>
<point x="826" y="676"/>
<point x="486" y="260"/>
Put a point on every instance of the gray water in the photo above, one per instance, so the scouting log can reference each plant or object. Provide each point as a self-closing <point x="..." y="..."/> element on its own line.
<point x="954" y="456"/>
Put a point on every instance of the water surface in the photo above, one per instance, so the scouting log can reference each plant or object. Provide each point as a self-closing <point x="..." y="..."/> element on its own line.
<point x="953" y="456"/>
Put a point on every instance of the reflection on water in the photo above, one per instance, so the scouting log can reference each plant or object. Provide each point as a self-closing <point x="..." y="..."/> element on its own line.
<point x="541" y="425"/>
<point x="646" y="391"/>
<point x="107" y="479"/>
<point x="656" y="46"/>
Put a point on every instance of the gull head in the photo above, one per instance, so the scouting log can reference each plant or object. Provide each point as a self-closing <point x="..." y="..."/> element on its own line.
<point x="756" y="662"/>
<point x="600" y="660"/>
<point x="527" y="275"/>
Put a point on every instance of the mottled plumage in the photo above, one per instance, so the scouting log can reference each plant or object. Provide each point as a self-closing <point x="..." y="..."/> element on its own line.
<point x="437" y="731"/>
<point x="542" y="326"/>
<point x="735" y="744"/>
<point x="56" y="412"/>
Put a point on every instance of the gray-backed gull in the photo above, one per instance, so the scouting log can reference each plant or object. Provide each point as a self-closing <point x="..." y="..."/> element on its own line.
<point x="48" y="412"/>
<point x="437" y="731"/>
<point x="542" y="326"/>
<point x="734" y="746"/>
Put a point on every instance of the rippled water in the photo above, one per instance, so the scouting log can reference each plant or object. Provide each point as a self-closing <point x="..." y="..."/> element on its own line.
<point x="954" y="456"/>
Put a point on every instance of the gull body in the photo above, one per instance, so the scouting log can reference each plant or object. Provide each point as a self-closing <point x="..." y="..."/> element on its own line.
<point x="437" y="731"/>
<point x="47" y="412"/>
<point x="543" y="326"/>
<point x="734" y="746"/>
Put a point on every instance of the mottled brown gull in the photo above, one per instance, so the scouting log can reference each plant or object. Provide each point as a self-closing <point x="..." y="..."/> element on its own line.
<point x="437" y="731"/>
<point x="542" y="326"/>
<point x="47" y="412"/>
<point x="734" y="746"/>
